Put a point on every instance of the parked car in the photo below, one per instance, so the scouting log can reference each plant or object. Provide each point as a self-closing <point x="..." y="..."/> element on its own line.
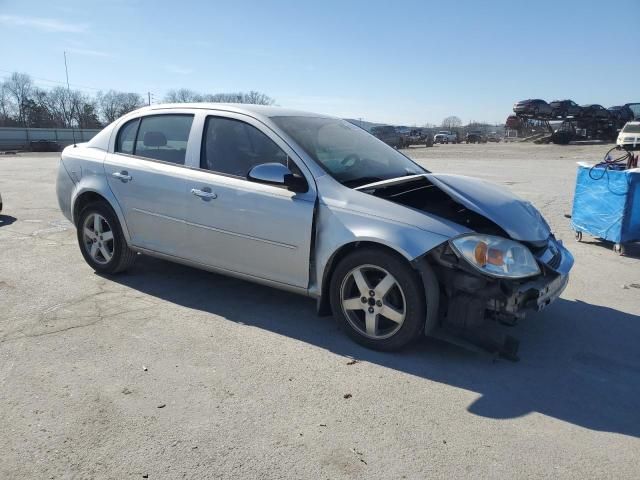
<point x="445" y="136"/>
<point x="494" y="137"/>
<point x="534" y="108"/>
<point x="629" y="137"/>
<point x="513" y="122"/>
<point x="418" y="136"/>
<point x="44" y="146"/>
<point x="314" y="205"/>
<point x="635" y="108"/>
<point x="565" y="108"/>
<point x="595" y="111"/>
<point x="388" y="135"/>
<point x="621" y="114"/>
<point x="476" y="136"/>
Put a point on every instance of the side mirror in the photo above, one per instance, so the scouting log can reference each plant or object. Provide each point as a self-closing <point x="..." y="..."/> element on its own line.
<point x="277" y="174"/>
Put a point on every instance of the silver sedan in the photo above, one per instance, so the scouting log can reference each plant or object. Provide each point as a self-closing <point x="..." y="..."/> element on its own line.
<point x="314" y="205"/>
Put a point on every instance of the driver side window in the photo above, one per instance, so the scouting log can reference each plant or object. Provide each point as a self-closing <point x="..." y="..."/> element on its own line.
<point x="233" y="147"/>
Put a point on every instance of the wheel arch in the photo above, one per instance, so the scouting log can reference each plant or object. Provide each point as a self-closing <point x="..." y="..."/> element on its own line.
<point x="87" y="195"/>
<point x="324" y="304"/>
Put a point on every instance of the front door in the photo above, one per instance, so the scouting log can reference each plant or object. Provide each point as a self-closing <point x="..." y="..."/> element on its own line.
<point x="263" y="231"/>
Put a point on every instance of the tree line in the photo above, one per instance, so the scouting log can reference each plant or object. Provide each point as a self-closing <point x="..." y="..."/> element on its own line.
<point x="24" y="104"/>
<point x="454" y="124"/>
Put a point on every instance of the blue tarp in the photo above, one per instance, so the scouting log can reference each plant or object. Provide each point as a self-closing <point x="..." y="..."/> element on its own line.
<point x="606" y="203"/>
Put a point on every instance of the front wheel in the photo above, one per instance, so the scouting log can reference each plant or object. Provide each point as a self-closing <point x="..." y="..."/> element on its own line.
<point x="101" y="240"/>
<point x="379" y="299"/>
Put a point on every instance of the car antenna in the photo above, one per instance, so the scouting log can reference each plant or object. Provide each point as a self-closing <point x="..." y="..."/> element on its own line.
<point x="66" y="71"/>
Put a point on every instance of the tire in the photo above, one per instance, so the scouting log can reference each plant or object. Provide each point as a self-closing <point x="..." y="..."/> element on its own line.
<point x="104" y="252"/>
<point x="404" y="298"/>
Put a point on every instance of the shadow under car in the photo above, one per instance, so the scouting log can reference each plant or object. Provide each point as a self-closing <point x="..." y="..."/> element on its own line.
<point x="580" y="363"/>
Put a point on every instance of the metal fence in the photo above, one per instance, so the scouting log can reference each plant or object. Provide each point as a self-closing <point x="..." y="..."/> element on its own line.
<point x="21" y="138"/>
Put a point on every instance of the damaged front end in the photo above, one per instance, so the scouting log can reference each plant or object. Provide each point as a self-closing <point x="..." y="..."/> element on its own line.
<point x="470" y="299"/>
<point x="508" y="265"/>
<point x="504" y="299"/>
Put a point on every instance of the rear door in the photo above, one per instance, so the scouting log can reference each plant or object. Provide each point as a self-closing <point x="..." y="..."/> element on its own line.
<point x="147" y="174"/>
<point x="259" y="230"/>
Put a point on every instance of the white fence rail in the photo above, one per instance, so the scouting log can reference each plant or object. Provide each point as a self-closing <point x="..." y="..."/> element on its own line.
<point x="21" y="138"/>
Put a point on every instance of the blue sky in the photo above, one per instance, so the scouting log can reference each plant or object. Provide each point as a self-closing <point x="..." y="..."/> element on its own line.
<point x="406" y="62"/>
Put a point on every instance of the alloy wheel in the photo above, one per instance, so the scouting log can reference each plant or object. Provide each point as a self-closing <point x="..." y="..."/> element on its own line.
<point x="373" y="301"/>
<point x="97" y="238"/>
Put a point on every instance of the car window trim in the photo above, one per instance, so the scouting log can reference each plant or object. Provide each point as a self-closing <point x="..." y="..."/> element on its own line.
<point x="230" y="175"/>
<point x="221" y="111"/>
<point x="199" y="112"/>
<point x="210" y="172"/>
<point x="155" y="160"/>
<point x="135" y="140"/>
<point x="135" y="137"/>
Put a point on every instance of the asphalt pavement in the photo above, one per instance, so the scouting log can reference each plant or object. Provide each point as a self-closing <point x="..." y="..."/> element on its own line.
<point x="172" y="372"/>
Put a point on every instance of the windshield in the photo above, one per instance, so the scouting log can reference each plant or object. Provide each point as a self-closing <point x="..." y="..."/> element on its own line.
<point x="348" y="153"/>
<point x="631" y="128"/>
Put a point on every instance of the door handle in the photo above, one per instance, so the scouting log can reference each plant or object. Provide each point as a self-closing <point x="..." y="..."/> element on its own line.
<point x="123" y="175"/>
<point x="203" y="194"/>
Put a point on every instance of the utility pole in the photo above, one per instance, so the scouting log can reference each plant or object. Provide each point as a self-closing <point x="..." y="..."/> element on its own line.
<point x="66" y="71"/>
<point x="149" y="97"/>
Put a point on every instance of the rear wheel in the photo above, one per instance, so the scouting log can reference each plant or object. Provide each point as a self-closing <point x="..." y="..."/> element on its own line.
<point x="101" y="240"/>
<point x="378" y="299"/>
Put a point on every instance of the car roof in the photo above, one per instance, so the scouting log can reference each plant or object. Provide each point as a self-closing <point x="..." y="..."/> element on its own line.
<point x="251" y="110"/>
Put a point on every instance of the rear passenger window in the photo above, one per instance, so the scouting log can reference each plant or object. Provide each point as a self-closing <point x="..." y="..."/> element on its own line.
<point x="234" y="147"/>
<point x="163" y="137"/>
<point x="127" y="137"/>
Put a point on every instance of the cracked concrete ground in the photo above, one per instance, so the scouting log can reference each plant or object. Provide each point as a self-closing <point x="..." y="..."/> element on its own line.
<point x="254" y="384"/>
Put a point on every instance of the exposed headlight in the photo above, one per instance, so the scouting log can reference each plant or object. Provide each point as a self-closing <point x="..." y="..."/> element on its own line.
<point x="496" y="256"/>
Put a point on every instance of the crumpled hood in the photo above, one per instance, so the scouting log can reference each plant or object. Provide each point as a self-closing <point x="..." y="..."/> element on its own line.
<point x="516" y="216"/>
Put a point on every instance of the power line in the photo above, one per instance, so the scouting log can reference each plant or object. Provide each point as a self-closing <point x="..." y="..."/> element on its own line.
<point x="53" y="81"/>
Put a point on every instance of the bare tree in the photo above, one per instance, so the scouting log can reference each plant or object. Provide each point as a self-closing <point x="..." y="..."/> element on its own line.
<point x="22" y="103"/>
<point x="38" y="112"/>
<point x="6" y="105"/>
<point x="19" y="86"/>
<point x="451" y="122"/>
<point x="61" y="103"/>
<point x="129" y="102"/>
<point x="257" y="98"/>
<point x="112" y="104"/>
<point x="86" y="112"/>
<point x="224" y="98"/>
<point x="182" y="95"/>
<point x="108" y="105"/>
